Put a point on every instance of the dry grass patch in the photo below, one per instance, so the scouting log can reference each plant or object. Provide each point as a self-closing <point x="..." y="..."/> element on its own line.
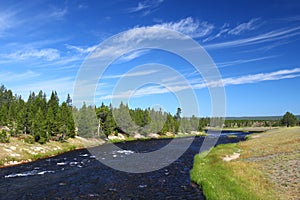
<point x="268" y="168"/>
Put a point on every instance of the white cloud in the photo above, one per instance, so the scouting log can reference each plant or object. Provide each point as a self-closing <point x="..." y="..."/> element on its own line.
<point x="132" y="74"/>
<point x="131" y="56"/>
<point x="226" y="30"/>
<point x="58" y="13"/>
<point x="176" y="86"/>
<point x="189" y="26"/>
<point x="253" y="78"/>
<point x="139" y="36"/>
<point x="80" y="49"/>
<point x="47" y="54"/>
<point x="247" y="26"/>
<point x="223" y="30"/>
<point x="241" y="61"/>
<point x="266" y="37"/>
<point x="146" y="7"/>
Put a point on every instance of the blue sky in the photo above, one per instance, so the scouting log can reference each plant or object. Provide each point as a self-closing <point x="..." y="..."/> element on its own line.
<point x="255" y="45"/>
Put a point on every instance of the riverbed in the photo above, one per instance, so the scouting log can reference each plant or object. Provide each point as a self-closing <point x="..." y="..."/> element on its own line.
<point x="80" y="175"/>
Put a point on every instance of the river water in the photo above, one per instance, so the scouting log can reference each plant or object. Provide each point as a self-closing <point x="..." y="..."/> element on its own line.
<point x="78" y="175"/>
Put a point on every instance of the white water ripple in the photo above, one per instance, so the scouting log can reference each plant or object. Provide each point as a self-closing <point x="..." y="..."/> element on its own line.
<point x="28" y="173"/>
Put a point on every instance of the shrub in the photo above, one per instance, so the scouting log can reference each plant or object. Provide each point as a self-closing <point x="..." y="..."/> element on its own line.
<point x="26" y="138"/>
<point x="4" y="138"/>
<point x="42" y="140"/>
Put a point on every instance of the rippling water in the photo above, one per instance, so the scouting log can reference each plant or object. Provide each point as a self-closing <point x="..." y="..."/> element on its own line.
<point x="79" y="175"/>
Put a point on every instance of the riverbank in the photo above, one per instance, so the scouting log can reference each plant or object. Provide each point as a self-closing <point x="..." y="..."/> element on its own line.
<point x="266" y="166"/>
<point x="79" y="174"/>
<point x="18" y="151"/>
<point x="124" y="138"/>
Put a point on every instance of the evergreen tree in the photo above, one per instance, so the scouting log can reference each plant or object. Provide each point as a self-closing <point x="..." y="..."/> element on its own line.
<point x="123" y="119"/>
<point x="87" y="122"/>
<point x="110" y="125"/>
<point x="52" y="114"/>
<point x="65" y="122"/>
<point x="289" y="119"/>
<point x="38" y="128"/>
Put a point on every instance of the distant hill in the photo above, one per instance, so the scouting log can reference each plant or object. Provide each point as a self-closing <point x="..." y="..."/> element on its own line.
<point x="258" y="118"/>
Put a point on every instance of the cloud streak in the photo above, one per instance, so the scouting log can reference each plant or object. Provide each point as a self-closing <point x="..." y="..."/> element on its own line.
<point x="131" y="56"/>
<point x="247" y="26"/>
<point x="80" y="49"/>
<point x="12" y="77"/>
<point x="176" y="87"/>
<point x="275" y="35"/>
<point x="241" y="61"/>
<point x="48" y="54"/>
<point x="132" y="74"/>
<point x="146" y="7"/>
<point x="189" y="26"/>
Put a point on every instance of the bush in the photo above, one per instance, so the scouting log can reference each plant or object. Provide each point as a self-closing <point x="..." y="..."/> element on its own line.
<point x="4" y="138"/>
<point x="42" y="140"/>
<point x="28" y="139"/>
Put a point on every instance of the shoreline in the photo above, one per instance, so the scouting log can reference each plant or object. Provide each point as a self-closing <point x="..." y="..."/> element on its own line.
<point x="57" y="148"/>
<point x="18" y="152"/>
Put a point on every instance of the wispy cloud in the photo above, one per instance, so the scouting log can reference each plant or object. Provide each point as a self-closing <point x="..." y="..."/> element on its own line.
<point x="146" y="7"/>
<point x="189" y="26"/>
<point x="293" y="18"/>
<point x="4" y="21"/>
<point x="132" y="56"/>
<point x="176" y="86"/>
<point x="81" y="49"/>
<point x="256" y="78"/>
<point x="58" y="13"/>
<point x="132" y="74"/>
<point x="47" y="54"/>
<point x="6" y="77"/>
<point x="275" y="35"/>
<point x="247" y="26"/>
<point x="7" y="21"/>
<point x="124" y="43"/>
<point x="223" y="30"/>
<point x="237" y="30"/>
<point x="241" y="61"/>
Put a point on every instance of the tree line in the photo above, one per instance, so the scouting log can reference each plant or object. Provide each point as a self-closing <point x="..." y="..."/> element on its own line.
<point x="46" y="120"/>
<point x="42" y="119"/>
<point x="105" y="120"/>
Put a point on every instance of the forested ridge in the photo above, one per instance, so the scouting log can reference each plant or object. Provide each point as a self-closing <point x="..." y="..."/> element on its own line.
<point x="42" y="120"/>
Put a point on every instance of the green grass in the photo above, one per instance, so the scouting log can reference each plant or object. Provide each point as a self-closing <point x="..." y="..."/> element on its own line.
<point x="229" y="180"/>
<point x="266" y="169"/>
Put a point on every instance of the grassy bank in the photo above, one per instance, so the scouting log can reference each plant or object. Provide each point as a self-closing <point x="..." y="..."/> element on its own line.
<point x="180" y="135"/>
<point x="264" y="167"/>
<point x="17" y="151"/>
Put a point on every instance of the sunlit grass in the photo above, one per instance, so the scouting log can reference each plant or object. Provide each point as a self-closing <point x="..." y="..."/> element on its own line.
<point x="268" y="168"/>
<point x="18" y="151"/>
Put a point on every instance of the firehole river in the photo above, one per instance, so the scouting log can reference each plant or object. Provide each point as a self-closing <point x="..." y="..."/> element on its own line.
<point x="78" y="175"/>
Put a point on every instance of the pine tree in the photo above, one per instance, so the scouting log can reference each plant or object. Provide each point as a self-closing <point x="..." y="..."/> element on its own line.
<point x="52" y="114"/>
<point x="38" y="128"/>
<point x="87" y="122"/>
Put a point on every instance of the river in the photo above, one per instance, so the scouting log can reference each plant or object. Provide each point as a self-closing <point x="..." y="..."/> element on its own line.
<point x="78" y="175"/>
